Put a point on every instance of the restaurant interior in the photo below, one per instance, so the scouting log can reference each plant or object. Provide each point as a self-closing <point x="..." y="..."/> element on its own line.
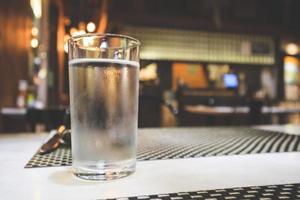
<point x="202" y="62"/>
<point x="154" y="100"/>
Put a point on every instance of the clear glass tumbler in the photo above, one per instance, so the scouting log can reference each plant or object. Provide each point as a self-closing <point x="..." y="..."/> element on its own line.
<point x="103" y="73"/>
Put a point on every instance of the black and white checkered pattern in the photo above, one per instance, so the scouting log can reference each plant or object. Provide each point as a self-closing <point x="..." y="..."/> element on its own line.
<point x="60" y="157"/>
<point x="173" y="143"/>
<point x="288" y="191"/>
<point x="203" y="142"/>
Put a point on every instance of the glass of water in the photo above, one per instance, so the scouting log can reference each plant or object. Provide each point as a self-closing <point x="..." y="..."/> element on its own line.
<point x="103" y="73"/>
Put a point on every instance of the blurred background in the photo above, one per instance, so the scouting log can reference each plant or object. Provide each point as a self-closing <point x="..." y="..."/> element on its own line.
<point x="203" y="62"/>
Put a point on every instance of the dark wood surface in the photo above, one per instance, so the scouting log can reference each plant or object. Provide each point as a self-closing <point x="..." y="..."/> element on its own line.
<point x="15" y="24"/>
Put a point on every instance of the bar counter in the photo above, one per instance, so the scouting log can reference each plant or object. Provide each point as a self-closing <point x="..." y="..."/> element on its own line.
<point x="161" y="178"/>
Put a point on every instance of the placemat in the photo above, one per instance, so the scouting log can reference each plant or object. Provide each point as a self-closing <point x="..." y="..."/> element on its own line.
<point x="174" y="143"/>
<point x="270" y="192"/>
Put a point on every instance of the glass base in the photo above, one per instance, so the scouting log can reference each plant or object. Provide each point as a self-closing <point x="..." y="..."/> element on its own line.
<point x="104" y="172"/>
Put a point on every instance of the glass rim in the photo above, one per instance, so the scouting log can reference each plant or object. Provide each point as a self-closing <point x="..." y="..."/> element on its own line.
<point x="135" y="44"/>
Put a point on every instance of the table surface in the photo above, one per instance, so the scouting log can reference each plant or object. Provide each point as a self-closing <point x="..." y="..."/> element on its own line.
<point x="151" y="177"/>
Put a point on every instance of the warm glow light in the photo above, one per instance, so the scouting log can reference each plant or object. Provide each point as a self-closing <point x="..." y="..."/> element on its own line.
<point x="81" y="26"/>
<point x="73" y="30"/>
<point x="42" y="74"/>
<point x="66" y="38"/>
<point x="81" y="32"/>
<point x="34" y="31"/>
<point x="67" y="21"/>
<point x="34" y="43"/>
<point x="36" y="6"/>
<point x="149" y="72"/>
<point x="66" y="47"/>
<point x="292" y="49"/>
<point x="90" y="27"/>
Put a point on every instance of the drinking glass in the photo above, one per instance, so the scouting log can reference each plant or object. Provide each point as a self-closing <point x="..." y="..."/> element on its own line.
<point x="103" y="76"/>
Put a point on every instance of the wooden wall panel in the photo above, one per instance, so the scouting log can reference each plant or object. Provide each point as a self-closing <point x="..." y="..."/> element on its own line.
<point x="15" y="26"/>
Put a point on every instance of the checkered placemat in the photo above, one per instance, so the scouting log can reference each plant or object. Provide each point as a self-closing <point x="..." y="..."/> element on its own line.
<point x="174" y="143"/>
<point x="287" y="191"/>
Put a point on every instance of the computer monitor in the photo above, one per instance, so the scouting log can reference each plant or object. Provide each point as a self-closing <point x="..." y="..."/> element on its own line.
<point x="230" y="81"/>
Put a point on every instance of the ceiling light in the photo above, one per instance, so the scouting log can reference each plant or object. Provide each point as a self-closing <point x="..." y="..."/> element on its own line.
<point x="90" y="27"/>
<point x="34" y="31"/>
<point x="34" y="43"/>
<point x="36" y="6"/>
<point x="292" y="49"/>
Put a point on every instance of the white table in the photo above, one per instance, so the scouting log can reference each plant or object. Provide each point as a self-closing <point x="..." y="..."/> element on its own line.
<point x="151" y="177"/>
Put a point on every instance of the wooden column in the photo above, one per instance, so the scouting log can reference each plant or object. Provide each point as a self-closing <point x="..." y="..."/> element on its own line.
<point x="15" y="26"/>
